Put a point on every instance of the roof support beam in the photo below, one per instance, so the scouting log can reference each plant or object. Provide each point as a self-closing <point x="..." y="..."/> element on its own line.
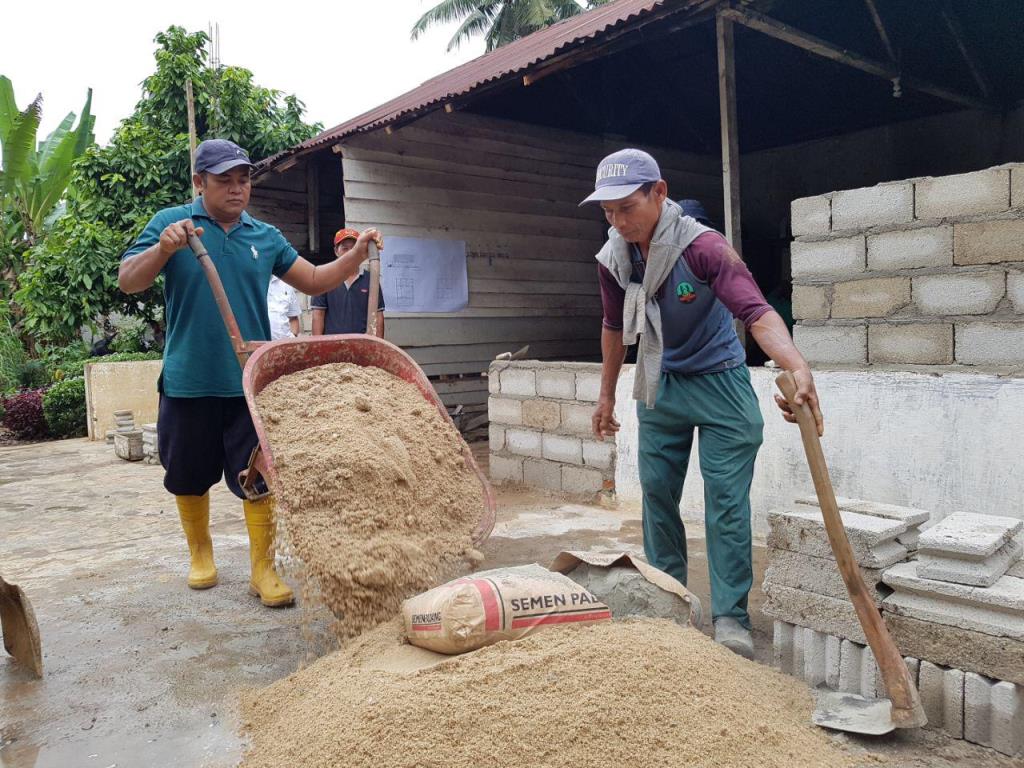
<point x="953" y="25"/>
<point x="778" y="30"/>
<point x="882" y="32"/>
<point x="730" y="132"/>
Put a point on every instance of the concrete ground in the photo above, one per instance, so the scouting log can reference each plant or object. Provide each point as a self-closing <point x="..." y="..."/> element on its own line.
<point x="142" y="671"/>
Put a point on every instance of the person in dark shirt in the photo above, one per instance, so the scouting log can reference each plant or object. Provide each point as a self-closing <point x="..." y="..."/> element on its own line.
<point x="674" y="286"/>
<point x="344" y="310"/>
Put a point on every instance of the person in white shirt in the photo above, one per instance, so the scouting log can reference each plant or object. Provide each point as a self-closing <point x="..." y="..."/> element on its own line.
<point x="283" y="308"/>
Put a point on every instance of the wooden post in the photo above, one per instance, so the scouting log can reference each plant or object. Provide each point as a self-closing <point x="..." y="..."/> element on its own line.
<point x="191" y="106"/>
<point x="313" y="203"/>
<point x="730" y="135"/>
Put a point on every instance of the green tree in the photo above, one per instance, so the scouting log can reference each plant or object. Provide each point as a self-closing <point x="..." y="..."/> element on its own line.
<point x="72" y="277"/>
<point x="499" y="21"/>
<point x="34" y="176"/>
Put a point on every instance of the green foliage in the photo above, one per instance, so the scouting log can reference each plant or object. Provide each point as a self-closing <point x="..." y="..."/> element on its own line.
<point x="73" y="370"/>
<point x="71" y="279"/>
<point x="33" y="374"/>
<point x="64" y="408"/>
<point x="34" y="178"/>
<point x="57" y="358"/>
<point x="12" y="353"/>
<point x="499" y="21"/>
<point x="131" y="336"/>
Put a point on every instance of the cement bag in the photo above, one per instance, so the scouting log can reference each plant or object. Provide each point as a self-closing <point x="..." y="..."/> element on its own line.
<point x="631" y="587"/>
<point x="501" y="604"/>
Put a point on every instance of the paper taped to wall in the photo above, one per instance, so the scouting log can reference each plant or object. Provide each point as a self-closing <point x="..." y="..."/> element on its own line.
<point x="419" y="275"/>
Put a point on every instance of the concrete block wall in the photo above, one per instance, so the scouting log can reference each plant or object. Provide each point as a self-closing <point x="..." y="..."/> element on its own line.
<point x="920" y="272"/>
<point x="540" y="427"/>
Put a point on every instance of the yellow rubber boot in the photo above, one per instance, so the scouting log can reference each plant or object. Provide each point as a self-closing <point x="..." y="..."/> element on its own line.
<point x="195" y="520"/>
<point x="264" y="582"/>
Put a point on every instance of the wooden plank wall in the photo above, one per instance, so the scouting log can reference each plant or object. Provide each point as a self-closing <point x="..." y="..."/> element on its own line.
<point x="511" y="192"/>
<point x="281" y="199"/>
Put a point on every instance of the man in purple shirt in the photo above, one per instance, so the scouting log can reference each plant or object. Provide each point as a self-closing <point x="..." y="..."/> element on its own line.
<point x="674" y="286"/>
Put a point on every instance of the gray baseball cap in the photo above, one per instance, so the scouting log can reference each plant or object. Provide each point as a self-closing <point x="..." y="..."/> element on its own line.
<point x="622" y="173"/>
<point x="220" y="155"/>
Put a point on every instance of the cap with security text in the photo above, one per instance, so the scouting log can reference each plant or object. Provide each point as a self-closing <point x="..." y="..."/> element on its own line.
<point x="622" y="173"/>
<point x="220" y="156"/>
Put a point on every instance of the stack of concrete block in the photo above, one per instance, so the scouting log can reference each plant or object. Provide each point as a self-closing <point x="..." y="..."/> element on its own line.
<point x="974" y="550"/>
<point x="540" y="427"/>
<point x="150" y="446"/>
<point x="124" y="421"/>
<point x="913" y="517"/>
<point x="965" y="641"/>
<point x="960" y="605"/>
<point x="802" y="584"/>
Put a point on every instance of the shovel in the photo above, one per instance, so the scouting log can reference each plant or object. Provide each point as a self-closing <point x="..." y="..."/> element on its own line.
<point x="20" y="630"/>
<point x="845" y="711"/>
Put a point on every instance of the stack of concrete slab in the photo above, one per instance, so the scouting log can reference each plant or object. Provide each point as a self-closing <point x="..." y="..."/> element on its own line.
<point x="962" y="625"/>
<point x="961" y="607"/>
<point x="802" y="584"/>
<point x="150" y="447"/>
<point x="911" y="515"/>
<point x="970" y="549"/>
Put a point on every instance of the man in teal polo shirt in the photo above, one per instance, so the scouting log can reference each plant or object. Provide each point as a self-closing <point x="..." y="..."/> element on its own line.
<point x="204" y="427"/>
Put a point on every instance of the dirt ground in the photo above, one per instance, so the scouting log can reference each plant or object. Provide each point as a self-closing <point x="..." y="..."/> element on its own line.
<point x="142" y="671"/>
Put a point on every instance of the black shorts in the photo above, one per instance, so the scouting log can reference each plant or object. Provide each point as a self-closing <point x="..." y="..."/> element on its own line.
<point x="202" y="438"/>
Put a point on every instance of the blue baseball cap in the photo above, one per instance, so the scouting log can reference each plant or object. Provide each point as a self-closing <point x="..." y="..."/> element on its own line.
<point x="695" y="209"/>
<point x="220" y="155"/>
<point x="622" y="173"/>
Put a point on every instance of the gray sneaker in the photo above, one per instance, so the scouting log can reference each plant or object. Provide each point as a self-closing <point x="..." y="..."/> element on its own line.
<point x="734" y="636"/>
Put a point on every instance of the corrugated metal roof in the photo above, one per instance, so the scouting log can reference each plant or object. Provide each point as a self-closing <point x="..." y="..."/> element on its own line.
<point x="511" y="59"/>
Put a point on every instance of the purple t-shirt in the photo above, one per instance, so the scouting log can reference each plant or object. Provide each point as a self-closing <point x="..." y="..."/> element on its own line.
<point x="712" y="260"/>
<point x="708" y="286"/>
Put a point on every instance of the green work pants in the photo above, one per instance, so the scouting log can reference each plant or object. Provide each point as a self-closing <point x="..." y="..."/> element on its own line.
<point x="723" y="408"/>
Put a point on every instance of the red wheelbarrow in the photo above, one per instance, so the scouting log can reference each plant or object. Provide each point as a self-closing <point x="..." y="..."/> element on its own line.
<point x="265" y="361"/>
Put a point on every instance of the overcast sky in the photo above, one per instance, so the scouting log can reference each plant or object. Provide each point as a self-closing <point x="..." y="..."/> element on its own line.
<point x="340" y="58"/>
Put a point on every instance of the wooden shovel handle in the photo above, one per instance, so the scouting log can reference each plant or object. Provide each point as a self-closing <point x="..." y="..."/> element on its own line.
<point x="907" y="711"/>
<point x="238" y="344"/>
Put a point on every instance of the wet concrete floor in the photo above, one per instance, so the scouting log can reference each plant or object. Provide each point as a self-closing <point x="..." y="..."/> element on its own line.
<point x="142" y="671"/>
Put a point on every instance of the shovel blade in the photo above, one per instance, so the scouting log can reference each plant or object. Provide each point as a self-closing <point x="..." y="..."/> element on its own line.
<point x="852" y="714"/>
<point x="19" y="627"/>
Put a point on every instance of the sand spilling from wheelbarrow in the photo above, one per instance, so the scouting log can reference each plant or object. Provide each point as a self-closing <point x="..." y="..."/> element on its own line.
<point x="376" y="498"/>
<point x="645" y="693"/>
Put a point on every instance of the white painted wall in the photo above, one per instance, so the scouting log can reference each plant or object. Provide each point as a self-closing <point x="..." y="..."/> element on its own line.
<point x="944" y="442"/>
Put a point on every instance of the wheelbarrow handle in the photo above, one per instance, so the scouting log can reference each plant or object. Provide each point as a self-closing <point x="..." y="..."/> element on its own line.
<point x="242" y="350"/>
<point x="372" y="309"/>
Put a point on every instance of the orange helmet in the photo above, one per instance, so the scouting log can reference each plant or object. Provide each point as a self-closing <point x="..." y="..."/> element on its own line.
<point x="345" y="234"/>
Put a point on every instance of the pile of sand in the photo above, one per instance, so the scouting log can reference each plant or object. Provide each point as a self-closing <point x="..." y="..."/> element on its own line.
<point x="376" y="498"/>
<point x="643" y="693"/>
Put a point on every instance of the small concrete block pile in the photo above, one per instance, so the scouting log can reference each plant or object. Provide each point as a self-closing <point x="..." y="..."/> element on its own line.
<point x="959" y="607"/>
<point x="962" y="626"/>
<point x="802" y="584"/>
<point x="970" y="549"/>
<point x="910" y="515"/>
<point x="124" y="421"/>
<point x="976" y="628"/>
<point x="150" y="447"/>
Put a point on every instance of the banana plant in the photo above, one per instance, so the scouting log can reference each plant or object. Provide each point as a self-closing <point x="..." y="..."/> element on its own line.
<point x="33" y="178"/>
